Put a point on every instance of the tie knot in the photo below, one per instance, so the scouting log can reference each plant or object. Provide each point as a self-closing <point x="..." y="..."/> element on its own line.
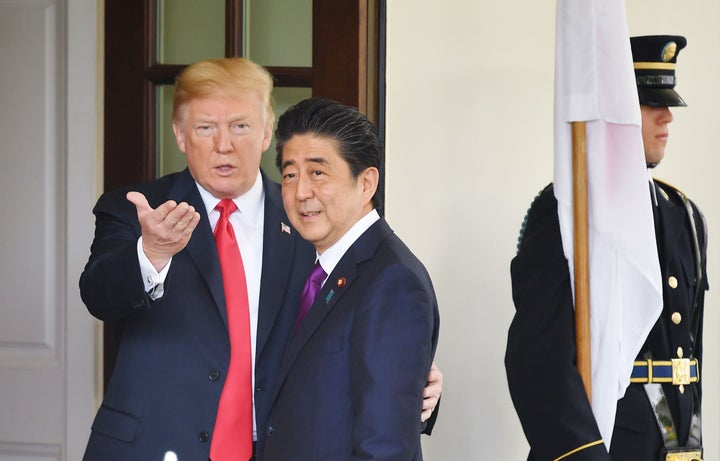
<point x="226" y="207"/>
<point x="317" y="275"/>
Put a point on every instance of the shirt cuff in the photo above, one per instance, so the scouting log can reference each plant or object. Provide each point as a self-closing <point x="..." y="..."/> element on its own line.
<point x="154" y="281"/>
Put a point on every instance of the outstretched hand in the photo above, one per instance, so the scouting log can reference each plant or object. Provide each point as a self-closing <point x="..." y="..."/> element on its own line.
<point x="431" y="393"/>
<point x="166" y="229"/>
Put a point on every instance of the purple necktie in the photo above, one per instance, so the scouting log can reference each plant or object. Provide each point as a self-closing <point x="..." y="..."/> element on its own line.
<point x="312" y="286"/>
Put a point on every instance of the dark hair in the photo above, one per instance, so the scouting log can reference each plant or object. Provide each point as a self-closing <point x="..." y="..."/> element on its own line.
<point x="356" y="137"/>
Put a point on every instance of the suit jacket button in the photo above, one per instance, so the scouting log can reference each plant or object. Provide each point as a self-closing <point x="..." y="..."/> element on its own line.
<point x="214" y="375"/>
<point x="259" y="388"/>
<point x="676" y="318"/>
<point x="270" y="431"/>
<point x="138" y="304"/>
<point x="204" y="437"/>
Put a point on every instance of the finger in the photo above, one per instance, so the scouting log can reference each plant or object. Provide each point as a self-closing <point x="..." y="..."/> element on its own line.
<point x="428" y="406"/>
<point x="165" y="210"/>
<point x="194" y="221"/>
<point x="432" y="389"/>
<point x="434" y="382"/>
<point x="139" y="200"/>
<point x="429" y="402"/>
<point x="185" y="219"/>
<point x="435" y="373"/>
<point x="144" y="208"/>
<point x="181" y="211"/>
<point x="187" y="231"/>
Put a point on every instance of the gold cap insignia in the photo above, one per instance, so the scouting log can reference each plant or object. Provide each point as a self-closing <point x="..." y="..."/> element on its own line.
<point x="669" y="51"/>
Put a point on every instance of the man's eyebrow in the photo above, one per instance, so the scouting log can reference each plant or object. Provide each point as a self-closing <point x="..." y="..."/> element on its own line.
<point x="286" y="163"/>
<point x="238" y="118"/>
<point x="319" y="160"/>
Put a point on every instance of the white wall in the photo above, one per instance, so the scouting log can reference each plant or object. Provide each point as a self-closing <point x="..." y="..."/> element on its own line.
<point x="469" y="144"/>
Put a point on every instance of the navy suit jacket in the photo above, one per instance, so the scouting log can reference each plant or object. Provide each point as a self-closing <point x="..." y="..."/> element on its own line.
<point x="351" y="380"/>
<point x="174" y="352"/>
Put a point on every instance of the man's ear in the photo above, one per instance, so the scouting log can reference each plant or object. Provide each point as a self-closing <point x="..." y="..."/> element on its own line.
<point x="267" y="137"/>
<point x="369" y="180"/>
<point x="179" y="136"/>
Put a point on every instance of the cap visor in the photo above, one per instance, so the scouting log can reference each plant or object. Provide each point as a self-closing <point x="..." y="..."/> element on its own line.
<point x="660" y="97"/>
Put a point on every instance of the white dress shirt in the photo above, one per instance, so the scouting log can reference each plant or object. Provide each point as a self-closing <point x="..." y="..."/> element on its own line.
<point x="331" y="257"/>
<point x="248" y="224"/>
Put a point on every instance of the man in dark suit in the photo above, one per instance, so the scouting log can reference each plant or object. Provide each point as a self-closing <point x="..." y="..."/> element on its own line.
<point x="351" y="380"/>
<point x="155" y="273"/>
<point x="659" y="416"/>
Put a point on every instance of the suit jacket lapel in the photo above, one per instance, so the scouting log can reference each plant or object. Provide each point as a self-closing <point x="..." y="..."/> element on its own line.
<point x="337" y="284"/>
<point x="671" y="220"/>
<point x="201" y="247"/>
<point x="278" y="253"/>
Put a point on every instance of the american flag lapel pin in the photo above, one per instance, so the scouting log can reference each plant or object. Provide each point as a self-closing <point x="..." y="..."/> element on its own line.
<point x="285" y="228"/>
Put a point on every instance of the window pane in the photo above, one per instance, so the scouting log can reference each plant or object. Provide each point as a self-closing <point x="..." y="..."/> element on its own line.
<point x="279" y="32"/>
<point x="284" y="98"/>
<point x="190" y="30"/>
<point x="170" y="159"/>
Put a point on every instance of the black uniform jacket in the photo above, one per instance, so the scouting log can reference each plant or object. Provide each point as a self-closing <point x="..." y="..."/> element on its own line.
<point x="544" y="383"/>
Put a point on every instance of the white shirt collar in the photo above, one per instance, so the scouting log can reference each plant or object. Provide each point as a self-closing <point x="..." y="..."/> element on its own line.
<point x="249" y="204"/>
<point x="331" y="257"/>
<point x="652" y="187"/>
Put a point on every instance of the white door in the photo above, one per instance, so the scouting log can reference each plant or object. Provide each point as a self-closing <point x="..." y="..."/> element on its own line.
<point x="48" y="159"/>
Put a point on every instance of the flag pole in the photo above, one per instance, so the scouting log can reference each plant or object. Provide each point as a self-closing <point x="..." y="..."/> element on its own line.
<point x="581" y="263"/>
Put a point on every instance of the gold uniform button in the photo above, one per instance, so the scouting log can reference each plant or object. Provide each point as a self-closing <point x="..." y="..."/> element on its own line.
<point x="680" y="352"/>
<point x="682" y="389"/>
<point x="672" y="281"/>
<point x="676" y="318"/>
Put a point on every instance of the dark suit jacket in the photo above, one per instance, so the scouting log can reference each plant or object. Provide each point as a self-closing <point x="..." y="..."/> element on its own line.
<point x="351" y="380"/>
<point x="544" y="383"/>
<point x="174" y="352"/>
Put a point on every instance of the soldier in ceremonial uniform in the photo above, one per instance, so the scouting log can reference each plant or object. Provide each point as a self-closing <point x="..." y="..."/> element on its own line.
<point x="659" y="416"/>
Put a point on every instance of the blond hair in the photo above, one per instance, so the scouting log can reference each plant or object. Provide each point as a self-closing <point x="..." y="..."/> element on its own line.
<point x="226" y="76"/>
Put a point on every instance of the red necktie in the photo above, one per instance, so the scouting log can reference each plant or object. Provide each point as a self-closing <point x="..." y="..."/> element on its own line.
<point x="232" y="437"/>
<point x="312" y="286"/>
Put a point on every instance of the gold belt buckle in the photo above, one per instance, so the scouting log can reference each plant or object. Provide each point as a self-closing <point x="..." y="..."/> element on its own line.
<point x="684" y="455"/>
<point x="681" y="375"/>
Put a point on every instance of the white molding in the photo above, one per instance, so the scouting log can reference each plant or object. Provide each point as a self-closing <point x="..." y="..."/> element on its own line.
<point x="83" y="83"/>
<point x="47" y="350"/>
<point x="26" y="3"/>
<point x="30" y="451"/>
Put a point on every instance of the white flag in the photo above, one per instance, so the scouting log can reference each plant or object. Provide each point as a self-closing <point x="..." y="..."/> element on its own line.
<point x="595" y="83"/>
